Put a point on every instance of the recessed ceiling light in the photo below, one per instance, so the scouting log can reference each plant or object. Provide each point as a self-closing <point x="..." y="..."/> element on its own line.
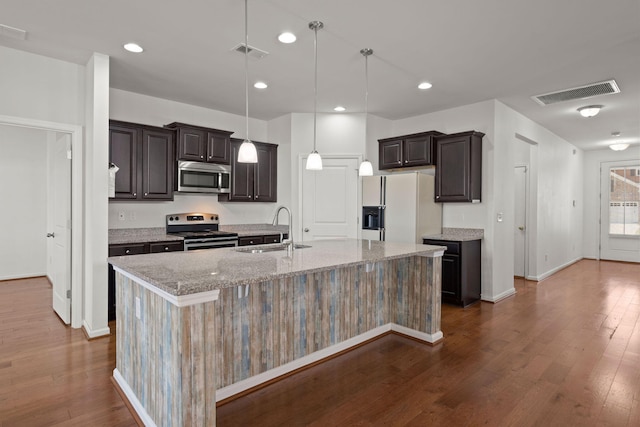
<point x="589" y="110"/>
<point x="425" y="85"/>
<point x="615" y="134"/>
<point x="287" y="38"/>
<point x="133" y="47"/>
<point x="339" y="109"/>
<point x="260" y="85"/>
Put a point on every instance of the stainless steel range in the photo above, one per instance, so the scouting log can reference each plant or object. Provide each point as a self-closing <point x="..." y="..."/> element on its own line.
<point x="200" y="231"/>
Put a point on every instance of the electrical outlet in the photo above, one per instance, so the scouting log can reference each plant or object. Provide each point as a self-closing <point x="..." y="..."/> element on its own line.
<point x="138" y="309"/>
<point x="121" y="216"/>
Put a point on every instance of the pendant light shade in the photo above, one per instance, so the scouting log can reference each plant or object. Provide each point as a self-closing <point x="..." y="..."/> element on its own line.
<point x="314" y="161"/>
<point x="247" y="152"/>
<point x="366" y="169"/>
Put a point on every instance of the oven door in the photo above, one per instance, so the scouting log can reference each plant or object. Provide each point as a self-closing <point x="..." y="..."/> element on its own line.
<point x="209" y="243"/>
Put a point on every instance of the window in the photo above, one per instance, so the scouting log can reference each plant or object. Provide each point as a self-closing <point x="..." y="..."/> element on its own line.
<point x="624" y="201"/>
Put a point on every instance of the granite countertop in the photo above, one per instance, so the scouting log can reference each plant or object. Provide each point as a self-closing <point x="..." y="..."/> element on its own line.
<point x="119" y="236"/>
<point x="255" y="229"/>
<point x="457" y="234"/>
<point x="191" y="272"/>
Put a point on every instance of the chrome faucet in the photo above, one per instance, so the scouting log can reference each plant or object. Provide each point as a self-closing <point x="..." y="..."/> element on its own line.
<point x="289" y="240"/>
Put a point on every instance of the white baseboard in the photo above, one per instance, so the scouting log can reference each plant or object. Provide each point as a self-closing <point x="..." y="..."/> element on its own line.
<point x="95" y="333"/>
<point x="137" y="406"/>
<point x="23" y="276"/>
<point x="501" y="296"/>
<point x="553" y="271"/>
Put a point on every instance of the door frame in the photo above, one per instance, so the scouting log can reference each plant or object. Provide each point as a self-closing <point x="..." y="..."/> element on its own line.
<point x="301" y="167"/>
<point x="604" y="226"/>
<point x="77" y="220"/>
<point x="526" y="217"/>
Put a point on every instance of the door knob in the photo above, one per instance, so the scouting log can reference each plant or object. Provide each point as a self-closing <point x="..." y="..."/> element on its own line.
<point x="51" y="235"/>
<point x="306" y="230"/>
<point x="521" y="228"/>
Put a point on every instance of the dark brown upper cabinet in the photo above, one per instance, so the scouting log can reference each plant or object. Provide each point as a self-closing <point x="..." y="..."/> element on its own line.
<point x="146" y="161"/>
<point x="407" y="151"/>
<point x="253" y="182"/>
<point x="201" y="144"/>
<point x="459" y="167"/>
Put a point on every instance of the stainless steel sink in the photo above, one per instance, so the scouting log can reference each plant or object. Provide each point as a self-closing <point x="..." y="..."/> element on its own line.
<point x="251" y="250"/>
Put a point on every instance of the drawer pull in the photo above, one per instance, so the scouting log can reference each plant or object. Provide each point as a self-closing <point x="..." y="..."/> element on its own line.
<point x="127" y="251"/>
<point x="166" y="248"/>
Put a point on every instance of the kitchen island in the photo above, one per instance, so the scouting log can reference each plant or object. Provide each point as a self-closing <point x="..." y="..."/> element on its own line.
<point x="198" y="327"/>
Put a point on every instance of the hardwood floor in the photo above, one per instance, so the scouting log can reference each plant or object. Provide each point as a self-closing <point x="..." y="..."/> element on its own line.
<point x="51" y="374"/>
<point x="562" y="352"/>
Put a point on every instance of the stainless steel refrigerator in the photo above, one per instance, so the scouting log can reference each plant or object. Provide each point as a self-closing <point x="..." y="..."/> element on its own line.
<point x="400" y="207"/>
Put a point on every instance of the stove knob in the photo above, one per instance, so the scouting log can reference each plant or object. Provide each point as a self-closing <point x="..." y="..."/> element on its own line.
<point x="170" y="218"/>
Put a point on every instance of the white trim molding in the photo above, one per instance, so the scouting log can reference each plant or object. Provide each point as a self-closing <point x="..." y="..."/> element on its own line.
<point x="77" y="202"/>
<point x="137" y="406"/>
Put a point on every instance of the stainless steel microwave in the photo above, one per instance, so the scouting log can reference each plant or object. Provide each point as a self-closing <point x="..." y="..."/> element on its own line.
<point x="199" y="177"/>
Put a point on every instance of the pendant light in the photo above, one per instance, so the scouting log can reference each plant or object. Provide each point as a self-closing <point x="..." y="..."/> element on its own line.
<point x="247" y="152"/>
<point x="314" y="161"/>
<point x="366" y="169"/>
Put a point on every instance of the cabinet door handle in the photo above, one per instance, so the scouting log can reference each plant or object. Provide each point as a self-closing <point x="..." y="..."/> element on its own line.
<point x="127" y="251"/>
<point x="135" y="194"/>
<point x="202" y="157"/>
<point x="306" y="230"/>
<point x="406" y="161"/>
<point x="51" y="234"/>
<point x="166" y="248"/>
<point x="146" y="194"/>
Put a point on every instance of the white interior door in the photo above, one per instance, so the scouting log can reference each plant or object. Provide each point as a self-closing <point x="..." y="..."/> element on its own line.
<point x="330" y="200"/>
<point x="619" y="211"/>
<point x="520" y="221"/>
<point x="59" y="255"/>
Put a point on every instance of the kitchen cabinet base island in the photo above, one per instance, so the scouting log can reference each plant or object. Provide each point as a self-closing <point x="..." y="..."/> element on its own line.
<point x="198" y="327"/>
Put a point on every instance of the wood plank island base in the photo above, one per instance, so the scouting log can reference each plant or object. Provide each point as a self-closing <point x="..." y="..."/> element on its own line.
<point x="199" y="327"/>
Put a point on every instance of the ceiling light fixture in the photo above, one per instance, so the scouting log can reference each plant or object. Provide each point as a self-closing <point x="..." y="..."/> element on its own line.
<point x="314" y="161"/>
<point x="339" y="109"/>
<point x="619" y="147"/>
<point x="615" y="134"/>
<point x="133" y="47"/>
<point x="425" y="85"/>
<point x="366" y="169"/>
<point x="590" y="110"/>
<point x="287" y="38"/>
<point x="247" y="152"/>
<point x="260" y="85"/>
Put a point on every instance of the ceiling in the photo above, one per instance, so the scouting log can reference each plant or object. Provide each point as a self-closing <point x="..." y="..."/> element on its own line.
<point x="470" y="51"/>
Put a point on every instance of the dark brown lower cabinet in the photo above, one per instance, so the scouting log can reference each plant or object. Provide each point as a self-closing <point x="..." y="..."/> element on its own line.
<point x="259" y="239"/>
<point x="134" y="249"/>
<point x="461" y="271"/>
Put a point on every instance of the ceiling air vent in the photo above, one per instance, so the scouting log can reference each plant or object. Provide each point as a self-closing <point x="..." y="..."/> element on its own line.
<point x="253" y="52"/>
<point x="582" y="92"/>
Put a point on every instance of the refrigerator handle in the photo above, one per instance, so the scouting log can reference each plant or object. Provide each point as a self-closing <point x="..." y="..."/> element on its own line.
<point x="383" y="190"/>
<point x="382" y="235"/>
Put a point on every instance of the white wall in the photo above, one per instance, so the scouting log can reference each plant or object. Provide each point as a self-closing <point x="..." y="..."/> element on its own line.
<point x="23" y="174"/>
<point x="96" y="161"/>
<point x="136" y="108"/>
<point x="592" y="161"/>
<point x="555" y="231"/>
<point x="38" y="87"/>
